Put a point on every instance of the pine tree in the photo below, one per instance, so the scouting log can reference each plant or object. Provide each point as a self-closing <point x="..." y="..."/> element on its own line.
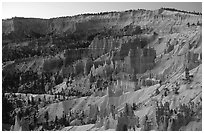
<point x="126" y="109"/>
<point x="34" y="119"/>
<point x="134" y="106"/>
<point x="46" y="116"/>
<point x="28" y="101"/>
<point x="56" y="119"/>
<point x="44" y="98"/>
<point x="188" y="24"/>
<point x="64" y="118"/>
<point x="32" y="100"/>
<point x="39" y="100"/>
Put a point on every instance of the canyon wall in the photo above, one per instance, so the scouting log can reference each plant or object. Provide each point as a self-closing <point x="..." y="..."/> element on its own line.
<point x="160" y="21"/>
<point x="156" y="28"/>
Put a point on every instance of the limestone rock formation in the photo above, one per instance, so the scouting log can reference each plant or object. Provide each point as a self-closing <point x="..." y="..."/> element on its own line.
<point x="131" y="70"/>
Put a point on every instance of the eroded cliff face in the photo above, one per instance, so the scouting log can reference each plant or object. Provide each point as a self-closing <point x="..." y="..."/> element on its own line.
<point x="21" y="28"/>
<point x="139" y="60"/>
<point x="160" y="21"/>
<point x="154" y="29"/>
<point x="7" y="26"/>
<point x="101" y="46"/>
<point x="132" y="50"/>
<point x="79" y="23"/>
<point x="72" y="55"/>
<point x="110" y="49"/>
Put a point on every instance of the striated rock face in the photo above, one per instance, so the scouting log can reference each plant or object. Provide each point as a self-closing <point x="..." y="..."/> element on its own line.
<point x="72" y="55"/>
<point x="52" y="65"/>
<point x="7" y="26"/>
<point x="134" y="57"/>
<point x="161" y="21"/>
<point x="155" y="28"/>
<point x="107" y="49"/>
<point x="139" y="60"/>
<point x="20" y="28"/>
<point x="101" y="46"/>
<point x="80" y="23"/>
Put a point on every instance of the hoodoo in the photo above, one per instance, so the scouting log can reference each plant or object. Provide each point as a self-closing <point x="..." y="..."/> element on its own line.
<point x="135" y="70"/>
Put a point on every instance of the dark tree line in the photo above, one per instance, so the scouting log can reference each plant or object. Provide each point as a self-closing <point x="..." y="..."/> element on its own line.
<point x="183" y="11"/>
